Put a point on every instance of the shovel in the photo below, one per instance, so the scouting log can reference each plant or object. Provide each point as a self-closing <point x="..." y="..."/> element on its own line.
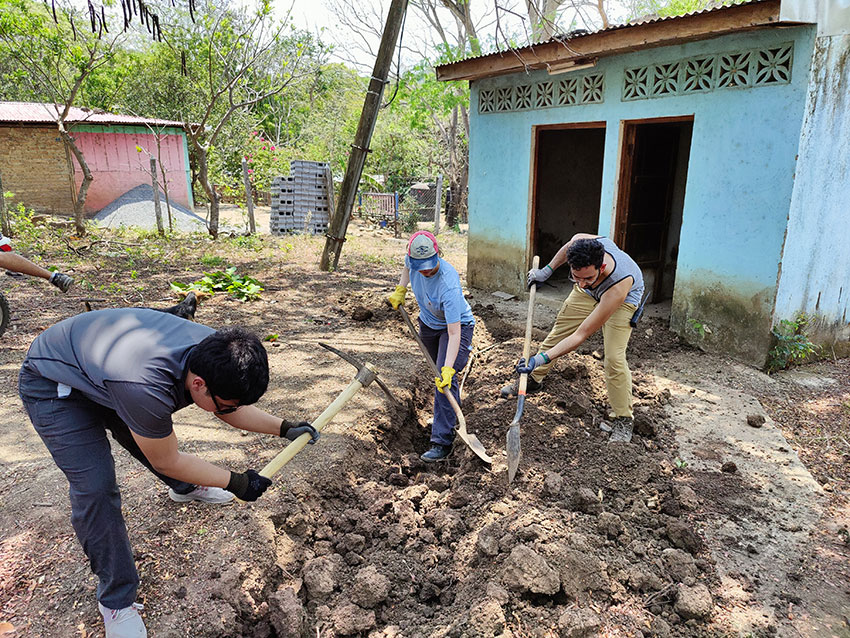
<point x="513" y="445"/>
<point x="470" y="439"/>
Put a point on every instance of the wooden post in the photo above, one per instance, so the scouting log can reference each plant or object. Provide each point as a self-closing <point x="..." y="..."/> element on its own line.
<point x="249" y="197"/>
<point x="329" y="184"/>
<point x="438" y="200"/>
<point x="5" y="227"/>
<point x="357" y="158"/>
<point x="395" y="215"/>
<point x="156" y="207"/>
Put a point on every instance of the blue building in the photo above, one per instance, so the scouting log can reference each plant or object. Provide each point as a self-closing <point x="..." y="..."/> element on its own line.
<point x="713" y="147"/>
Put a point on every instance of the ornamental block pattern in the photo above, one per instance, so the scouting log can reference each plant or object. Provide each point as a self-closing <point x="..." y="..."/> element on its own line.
<point x="571" y="91"/>
<point x="740" y="69"/>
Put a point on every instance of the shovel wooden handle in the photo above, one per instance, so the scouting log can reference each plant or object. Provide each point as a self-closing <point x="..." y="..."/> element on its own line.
<point x="433" y="366"/>
<point x="526" y="346"/>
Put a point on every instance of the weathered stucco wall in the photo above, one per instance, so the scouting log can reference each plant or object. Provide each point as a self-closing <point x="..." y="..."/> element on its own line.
<point x="118" y="166"/>
<point x="816" y="258"/>
<point x="740" y="177"/>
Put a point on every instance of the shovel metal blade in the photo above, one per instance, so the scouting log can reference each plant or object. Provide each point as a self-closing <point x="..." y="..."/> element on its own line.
<point x="512" y="444"/>
<point x="475" y="445"/>
<point x="513" y="448"/>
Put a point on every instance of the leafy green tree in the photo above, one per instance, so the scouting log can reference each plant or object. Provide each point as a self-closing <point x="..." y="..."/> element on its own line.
<point x="668" y="8"/>
<point x="59" y="63"/>
<point x="212" y="74"/>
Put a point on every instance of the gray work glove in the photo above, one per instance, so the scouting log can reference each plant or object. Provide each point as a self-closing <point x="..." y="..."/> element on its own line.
<point x="61" y="281"/>
<point x="539" y="275"/>
<point x="537" y="360"/>
<point x="292" y="430"/>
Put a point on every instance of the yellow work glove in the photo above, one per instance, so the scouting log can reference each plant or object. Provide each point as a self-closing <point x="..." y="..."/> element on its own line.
<point x="446" y="380"/>
<point x="397" y="298"/>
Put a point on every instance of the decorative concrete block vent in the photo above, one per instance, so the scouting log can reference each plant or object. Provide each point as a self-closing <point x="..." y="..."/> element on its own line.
<point x="301" y="202"/>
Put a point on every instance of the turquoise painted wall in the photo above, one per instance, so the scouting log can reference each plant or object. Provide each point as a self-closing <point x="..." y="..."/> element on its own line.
<point x="816" y="258"/>
<point x="738" y="193"/>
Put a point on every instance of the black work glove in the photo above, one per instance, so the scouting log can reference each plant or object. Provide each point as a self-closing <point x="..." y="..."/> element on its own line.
<point x="248" y="486"/>
<point x="292" y="430"/>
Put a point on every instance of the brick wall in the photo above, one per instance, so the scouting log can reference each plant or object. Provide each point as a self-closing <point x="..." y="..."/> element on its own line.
<point x="34" y="167"/>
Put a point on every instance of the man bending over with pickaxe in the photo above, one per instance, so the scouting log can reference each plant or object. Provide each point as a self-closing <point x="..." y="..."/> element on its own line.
<point x="127" y="371"/>
<point x="607" y="290"/>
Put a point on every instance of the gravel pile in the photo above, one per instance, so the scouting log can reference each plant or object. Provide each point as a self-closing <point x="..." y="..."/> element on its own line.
<point x="136" y="208"/>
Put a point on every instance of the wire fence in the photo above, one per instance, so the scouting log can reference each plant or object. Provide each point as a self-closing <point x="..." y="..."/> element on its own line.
<point x="413" y="200"/>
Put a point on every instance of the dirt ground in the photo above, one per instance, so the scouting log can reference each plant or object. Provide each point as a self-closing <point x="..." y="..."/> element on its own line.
<point x="727" y="515"/>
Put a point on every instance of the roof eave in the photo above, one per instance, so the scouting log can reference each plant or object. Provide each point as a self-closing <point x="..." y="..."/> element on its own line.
<point x="615" y="41"/>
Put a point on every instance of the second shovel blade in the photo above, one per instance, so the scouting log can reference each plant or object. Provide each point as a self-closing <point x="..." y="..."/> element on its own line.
<point x="513" y="448"/>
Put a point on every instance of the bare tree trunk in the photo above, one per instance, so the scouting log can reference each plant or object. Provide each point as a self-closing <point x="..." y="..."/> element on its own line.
<point x="5" y="227"/>
<point x="156" y="207"/>
<point x="79" y="205"/>
<point x="209" y="189"/>
<point x="249" y="197"/>
<point x="164" y="183"/>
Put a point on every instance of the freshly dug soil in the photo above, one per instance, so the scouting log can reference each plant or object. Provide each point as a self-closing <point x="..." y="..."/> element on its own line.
<point x="359" y="537"/>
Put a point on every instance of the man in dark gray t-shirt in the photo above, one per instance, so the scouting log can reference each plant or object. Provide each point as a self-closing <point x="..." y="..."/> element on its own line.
<point x="127" y="371"/>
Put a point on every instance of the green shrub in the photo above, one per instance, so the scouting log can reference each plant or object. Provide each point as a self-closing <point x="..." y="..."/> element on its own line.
<point x="792" y="344"/>
<point x="409" y="221"/>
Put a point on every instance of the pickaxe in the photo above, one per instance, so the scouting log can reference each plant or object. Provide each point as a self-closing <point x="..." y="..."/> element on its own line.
<point x="366" y="373"/>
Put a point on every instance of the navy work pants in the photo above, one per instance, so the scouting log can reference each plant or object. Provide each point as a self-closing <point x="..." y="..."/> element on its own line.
<point x="436" y="342"/>
<point x="74" y="430"/>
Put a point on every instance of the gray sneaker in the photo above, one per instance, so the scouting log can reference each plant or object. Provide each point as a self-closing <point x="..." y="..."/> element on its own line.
<point x="204" y="494"/>
<point x="123" y="623"/>
<point x="61" y="281"/>
<point x="511" y="389"/>
<point x="622" y="430"/>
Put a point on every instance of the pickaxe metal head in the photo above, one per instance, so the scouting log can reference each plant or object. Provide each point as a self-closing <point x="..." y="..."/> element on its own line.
<point x="368" y="375"/>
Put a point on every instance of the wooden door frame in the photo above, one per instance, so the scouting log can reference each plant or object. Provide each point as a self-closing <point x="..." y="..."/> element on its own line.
<point x="532" y="183"/>
<point x="628" y="130"/>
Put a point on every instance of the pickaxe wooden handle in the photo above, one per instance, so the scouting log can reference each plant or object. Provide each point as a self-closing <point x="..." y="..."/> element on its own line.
<point x="365" y="376"/>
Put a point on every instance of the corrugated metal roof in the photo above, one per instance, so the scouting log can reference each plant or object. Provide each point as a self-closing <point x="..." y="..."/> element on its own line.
<point x="566" y="36"/>
<point x="42" y="113"/>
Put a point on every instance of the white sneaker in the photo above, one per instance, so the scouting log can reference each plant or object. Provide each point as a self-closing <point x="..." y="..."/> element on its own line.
<point x="123" y="623"/>
<point x="204" y="494"/>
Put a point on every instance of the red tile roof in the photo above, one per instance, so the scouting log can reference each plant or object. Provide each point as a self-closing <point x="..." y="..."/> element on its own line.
<point x="38" y="113"/>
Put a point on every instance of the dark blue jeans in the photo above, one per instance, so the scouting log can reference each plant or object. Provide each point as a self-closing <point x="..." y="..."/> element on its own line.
<point x="74" y="431"/>
<point x="436" y="341"/>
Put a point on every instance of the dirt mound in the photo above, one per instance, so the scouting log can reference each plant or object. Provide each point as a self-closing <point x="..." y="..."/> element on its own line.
<point x="588" y="534"/>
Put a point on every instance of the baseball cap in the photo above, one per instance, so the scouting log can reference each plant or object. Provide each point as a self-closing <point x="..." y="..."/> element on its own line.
<point x="422" y="251"/>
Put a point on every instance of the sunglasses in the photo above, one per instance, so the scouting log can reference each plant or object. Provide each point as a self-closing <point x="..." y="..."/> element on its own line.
<point x="220" y="411"/>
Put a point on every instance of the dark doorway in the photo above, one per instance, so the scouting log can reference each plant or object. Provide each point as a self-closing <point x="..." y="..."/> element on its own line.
<point x="654" y="172"/>
<point x="567" y="186"/>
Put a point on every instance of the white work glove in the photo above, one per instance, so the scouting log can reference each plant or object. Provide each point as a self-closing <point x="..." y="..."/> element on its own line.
<point x="539" y="275"/>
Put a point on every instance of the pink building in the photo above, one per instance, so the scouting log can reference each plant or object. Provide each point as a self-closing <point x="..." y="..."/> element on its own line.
<point x="43" y="174"/>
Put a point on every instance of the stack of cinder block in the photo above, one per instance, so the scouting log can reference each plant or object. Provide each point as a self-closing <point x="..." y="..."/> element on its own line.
<point x="301" y="202"/>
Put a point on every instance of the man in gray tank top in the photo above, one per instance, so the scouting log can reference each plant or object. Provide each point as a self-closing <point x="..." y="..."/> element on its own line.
<point x="127" y="371"/>
<point x="608" y="286"/>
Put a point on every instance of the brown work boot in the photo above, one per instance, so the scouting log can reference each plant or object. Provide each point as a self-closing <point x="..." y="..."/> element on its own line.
<point x="511" y="389"/>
